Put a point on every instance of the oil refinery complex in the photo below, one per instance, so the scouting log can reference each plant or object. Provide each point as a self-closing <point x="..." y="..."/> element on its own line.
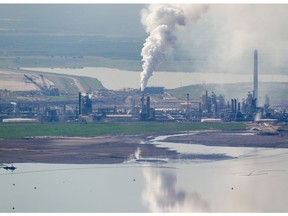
<point x="152" y="104"/>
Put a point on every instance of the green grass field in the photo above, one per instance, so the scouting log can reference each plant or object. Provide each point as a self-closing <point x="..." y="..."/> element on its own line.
<point x="21" y="130"/>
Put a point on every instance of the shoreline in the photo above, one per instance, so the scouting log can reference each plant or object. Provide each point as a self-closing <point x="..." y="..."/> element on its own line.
<point x="79" y="150"/>
<point x="233" y="139"/>
<point x="115" y="149"/>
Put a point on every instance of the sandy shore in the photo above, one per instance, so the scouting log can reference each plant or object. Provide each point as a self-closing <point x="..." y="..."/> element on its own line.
<point x="118" y="149"/>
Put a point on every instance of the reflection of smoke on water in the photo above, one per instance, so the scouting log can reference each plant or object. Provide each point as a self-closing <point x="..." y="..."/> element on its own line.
<point x="161" y="194"/>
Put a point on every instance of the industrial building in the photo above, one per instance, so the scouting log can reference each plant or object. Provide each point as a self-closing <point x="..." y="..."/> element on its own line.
<point x="45" y="89"/>
<point x="154" y="90"/>
<point x="147" y="113"/>
<point x="153" y="104"/>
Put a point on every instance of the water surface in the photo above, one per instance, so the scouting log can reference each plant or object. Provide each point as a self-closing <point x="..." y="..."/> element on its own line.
<point x="254" y="181"/>
<point x="131" y="79"/>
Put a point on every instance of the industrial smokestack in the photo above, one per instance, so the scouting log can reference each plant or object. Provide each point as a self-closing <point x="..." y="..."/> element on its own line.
<point x="148" y="106"/>
<point x="255" y="91"/>
<point x="142" y="101"/>
<point x="234" y="105"/>
<point x="206" y="100"/>
<point x="239" y="107"/>
<point x="80" y="103"/>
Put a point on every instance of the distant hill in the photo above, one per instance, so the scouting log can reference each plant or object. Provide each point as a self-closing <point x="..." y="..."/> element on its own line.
<point x="277" y="91"/>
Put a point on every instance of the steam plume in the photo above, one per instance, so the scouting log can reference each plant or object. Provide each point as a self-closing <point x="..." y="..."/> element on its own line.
<point x="160" y="22"/>
<point x="229" y="34"/>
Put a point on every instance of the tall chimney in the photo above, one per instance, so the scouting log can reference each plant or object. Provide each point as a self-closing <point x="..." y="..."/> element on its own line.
<point x="80" y="104"/>
<point x="142" y="101"/>
<point x="206" y="100"/>
<point x="188" y="103"/>
<point x="255" y="91"/>
<point x="239" y="107"/>
<point x="148" y="106"/>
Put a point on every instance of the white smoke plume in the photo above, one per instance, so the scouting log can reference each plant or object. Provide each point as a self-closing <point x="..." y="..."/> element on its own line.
<point x="161" y="22"/>
<point x="225" y="38"/>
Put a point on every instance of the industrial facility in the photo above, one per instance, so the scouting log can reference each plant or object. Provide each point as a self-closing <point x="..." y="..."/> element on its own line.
<point x="152" y="104"/>
<point x="45" y="89"/>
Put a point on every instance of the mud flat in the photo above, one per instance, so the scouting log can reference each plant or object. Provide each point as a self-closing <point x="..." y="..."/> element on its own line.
<point x="78" y="150"/>
<point x="233" y="139"/>
<point x="118" y="149"/>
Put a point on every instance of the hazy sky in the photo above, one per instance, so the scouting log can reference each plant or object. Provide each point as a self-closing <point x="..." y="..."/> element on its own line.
<point x="225" y="35"/>
<point x="103" y="19"/>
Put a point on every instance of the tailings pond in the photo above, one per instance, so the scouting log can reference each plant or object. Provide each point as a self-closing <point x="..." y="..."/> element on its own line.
<point x="245" y="180"/>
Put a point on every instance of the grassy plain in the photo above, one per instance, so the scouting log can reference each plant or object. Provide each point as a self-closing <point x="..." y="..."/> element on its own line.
<point x="21" y="130"/>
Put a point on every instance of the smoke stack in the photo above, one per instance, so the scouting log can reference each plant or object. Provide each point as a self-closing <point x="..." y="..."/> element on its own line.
<point x="188" y="103"/>
<point x="80" y="103"/>
<point x="239" y="107"/>
<point x="234" y="105"/>
<point x="255" y="91"/>
<point x="206" y="100"/>
<point x="148" y="106"/>
<point x="142" y="101"/>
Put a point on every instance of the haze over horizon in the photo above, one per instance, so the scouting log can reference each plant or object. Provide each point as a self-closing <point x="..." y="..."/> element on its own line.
<point x="78" y="19"/>
<point x="222" y="40"/>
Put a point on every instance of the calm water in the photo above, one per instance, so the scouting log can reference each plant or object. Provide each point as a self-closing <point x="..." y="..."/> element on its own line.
<point x="131" y="79"/>
<point x="256" y="181"/>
